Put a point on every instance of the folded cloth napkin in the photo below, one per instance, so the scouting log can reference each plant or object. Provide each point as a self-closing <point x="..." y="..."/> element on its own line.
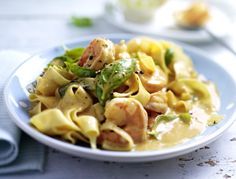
<point x="18" y="152"/>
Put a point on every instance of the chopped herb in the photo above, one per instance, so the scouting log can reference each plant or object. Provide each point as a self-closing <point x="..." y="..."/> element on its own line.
<point x="165" y="118"/>
<point x="169" y="56"/>
<point x="81" y="21"/>
<point x="80" y="71"/>
<point x="75" y="53"/>
<point x="185" y="117"/>
<point x="161" y="118"/>
<point x="112" y="76"/>
<point x="70" y="56"/>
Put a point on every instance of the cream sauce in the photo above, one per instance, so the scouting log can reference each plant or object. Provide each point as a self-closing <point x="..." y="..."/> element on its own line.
<point x="173" y="133"/>
<point x="177" y="132"/>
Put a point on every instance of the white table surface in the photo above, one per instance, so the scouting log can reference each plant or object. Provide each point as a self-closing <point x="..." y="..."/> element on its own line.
<point x="33" y="25"/>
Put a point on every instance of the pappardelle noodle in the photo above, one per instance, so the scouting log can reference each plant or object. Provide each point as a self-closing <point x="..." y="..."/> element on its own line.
<point x="143" y="94"/>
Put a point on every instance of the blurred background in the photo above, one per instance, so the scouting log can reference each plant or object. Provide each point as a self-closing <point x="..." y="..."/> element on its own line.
<point x="33" y="25"/>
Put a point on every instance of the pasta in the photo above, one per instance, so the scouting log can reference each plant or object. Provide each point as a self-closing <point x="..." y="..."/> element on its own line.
<point x="89" y="127"/>
<point x="141" y="95"/>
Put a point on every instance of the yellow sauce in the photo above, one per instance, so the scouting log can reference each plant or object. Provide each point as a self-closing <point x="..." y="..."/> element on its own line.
<point x="177" y="132"/>
<point x="173" y="133"/>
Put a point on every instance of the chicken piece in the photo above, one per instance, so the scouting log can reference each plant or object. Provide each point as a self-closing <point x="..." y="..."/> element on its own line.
<point x="99" y="53"/>
<point x="128" y="114"/>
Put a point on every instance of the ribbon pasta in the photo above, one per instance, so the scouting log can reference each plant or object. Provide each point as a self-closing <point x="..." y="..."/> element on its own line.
<point x="75" y="97"/>
<point x="53" y="122"/>
<point x="89" y="127"/>
<point x="53" y="78"/>
<point x="113" y="146"/>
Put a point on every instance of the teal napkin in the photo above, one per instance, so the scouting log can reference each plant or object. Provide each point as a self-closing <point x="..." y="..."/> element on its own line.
<point x="18" y="152"/>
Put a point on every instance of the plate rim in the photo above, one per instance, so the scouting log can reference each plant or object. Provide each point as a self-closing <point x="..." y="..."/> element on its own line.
<point x="119" y="156"/>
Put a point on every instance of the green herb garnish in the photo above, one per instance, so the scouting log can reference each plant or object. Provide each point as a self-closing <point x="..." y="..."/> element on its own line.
<point x="185" y="117"/>
<point x="80" y="71"/>
<point x="165" y="118"/>
<point x="70" y="56"/>
<point x="112" y="76"/>
<point x="81" y="21"/>
<point x="169" y="54"/>
<point x="70" y="59"/>
<point x="74" y="53"/>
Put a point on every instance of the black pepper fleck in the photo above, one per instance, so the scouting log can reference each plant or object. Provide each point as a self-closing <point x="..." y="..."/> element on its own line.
<point x="90" y="57"/>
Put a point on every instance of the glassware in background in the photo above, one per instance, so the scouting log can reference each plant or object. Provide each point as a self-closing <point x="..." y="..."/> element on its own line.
<point x="139" y="11"/>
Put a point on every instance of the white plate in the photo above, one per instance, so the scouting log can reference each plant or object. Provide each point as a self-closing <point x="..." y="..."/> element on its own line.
<point x="163" y="23"/>
<point x="15" y="93"/>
